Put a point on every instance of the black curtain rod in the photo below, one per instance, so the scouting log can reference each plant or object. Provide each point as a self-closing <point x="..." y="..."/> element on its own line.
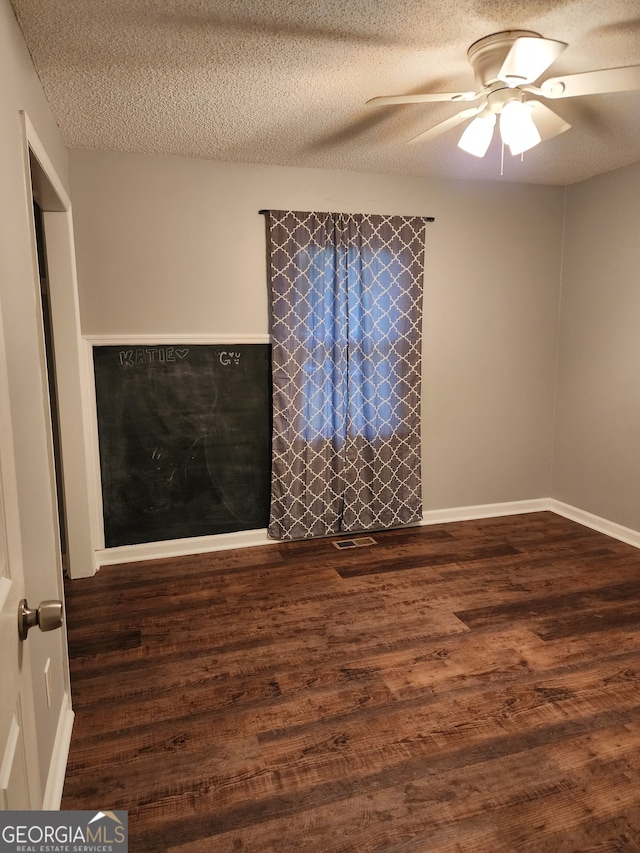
<point x="426" y="218"/>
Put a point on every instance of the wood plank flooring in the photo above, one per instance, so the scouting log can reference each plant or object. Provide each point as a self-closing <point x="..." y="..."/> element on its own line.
<point x="459" y="687"/>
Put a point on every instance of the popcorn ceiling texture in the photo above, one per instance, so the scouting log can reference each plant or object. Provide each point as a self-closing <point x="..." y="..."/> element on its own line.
<point x="285" y="81"/>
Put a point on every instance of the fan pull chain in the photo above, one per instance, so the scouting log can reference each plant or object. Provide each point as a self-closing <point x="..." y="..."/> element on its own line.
<point x="502" y="160"/>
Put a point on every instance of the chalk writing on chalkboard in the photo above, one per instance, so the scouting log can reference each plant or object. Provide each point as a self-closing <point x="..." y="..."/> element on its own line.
<point x="185" y="440"/>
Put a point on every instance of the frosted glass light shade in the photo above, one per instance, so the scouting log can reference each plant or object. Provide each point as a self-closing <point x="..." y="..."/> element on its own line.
<point x="477" y="135"/>
<point x="517" y="127"/>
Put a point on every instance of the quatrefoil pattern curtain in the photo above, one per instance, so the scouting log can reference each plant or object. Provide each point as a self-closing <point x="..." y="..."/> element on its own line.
<point x="346" y="320"/>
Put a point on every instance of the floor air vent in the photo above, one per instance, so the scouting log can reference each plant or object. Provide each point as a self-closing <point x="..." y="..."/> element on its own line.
<point x="361" y="542"/>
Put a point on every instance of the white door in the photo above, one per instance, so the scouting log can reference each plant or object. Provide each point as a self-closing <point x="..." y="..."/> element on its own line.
<point x="19" y="771"/>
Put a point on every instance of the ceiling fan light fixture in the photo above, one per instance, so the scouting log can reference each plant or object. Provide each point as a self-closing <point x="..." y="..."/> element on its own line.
<point x="507" y="67"/>
<point x="517" y="127"/>
<point x="477" y="135"/>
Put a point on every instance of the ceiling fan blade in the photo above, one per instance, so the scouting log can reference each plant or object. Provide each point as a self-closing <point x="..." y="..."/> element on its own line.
<point x="528" y="58"/>
<point x="549" y="124"/>
<point x="423" y="99"/>
<point x="447" y="124"/>
<point x="592" y="83"/>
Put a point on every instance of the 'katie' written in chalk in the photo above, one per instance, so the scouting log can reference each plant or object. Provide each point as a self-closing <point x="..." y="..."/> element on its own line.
<point x="152" y="355"/>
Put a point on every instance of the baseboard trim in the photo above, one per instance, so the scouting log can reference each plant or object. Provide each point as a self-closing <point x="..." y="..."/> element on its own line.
<point x="253" y="538"/>
<point x="467" y="513"/>
<point x="182" y="547"/>
<point x="59" y="757"/>
<point x="595" y="522"/>
<point x="587" y="519"/>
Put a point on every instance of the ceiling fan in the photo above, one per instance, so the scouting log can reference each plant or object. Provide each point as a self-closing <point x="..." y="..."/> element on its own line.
<point x="505" y="65"/>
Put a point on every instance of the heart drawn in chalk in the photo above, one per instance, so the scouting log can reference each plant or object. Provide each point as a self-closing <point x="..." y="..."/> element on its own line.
<point x="182" y="353"/>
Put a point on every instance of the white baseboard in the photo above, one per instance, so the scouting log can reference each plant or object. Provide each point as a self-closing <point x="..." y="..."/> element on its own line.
<point x="595" y="522"/>
<point x="182" y="547"/>
<point x="587" y="519"/>
<point x="466" y="513"/>
<point x="59" y="756"/>
<point x="252" y="538"/>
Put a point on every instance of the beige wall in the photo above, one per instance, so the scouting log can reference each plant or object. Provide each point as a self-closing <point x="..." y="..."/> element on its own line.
<point x="19" y="298"/>
<point x="168" y="245"/>
<point x="597" y="455"/>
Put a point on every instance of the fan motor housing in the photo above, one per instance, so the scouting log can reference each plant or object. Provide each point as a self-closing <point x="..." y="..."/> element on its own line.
<point x="487" y="55"/>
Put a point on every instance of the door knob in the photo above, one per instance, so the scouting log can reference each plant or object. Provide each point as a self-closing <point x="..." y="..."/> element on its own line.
<point x="47" y="617"/>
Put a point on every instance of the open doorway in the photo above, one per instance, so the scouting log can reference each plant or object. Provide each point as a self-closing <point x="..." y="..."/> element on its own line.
<point x="67" y="368"/>
<point x="50" y="366"/>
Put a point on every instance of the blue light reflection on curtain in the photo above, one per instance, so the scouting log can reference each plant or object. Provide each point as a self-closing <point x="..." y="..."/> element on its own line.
<point x="343" y="316"/>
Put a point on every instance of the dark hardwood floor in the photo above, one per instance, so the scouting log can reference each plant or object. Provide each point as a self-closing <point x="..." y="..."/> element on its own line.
<point x="459" y="687"/>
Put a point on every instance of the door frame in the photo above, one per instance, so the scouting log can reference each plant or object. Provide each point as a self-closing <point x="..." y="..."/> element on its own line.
<point x="74" y="379"/>
<point x="78" y="467"/>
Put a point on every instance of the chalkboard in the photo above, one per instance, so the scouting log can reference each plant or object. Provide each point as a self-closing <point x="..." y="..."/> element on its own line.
<point x="185" y="440"/>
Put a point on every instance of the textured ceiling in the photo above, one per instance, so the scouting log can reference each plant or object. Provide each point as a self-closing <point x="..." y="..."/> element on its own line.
<point x="285" y="81"/>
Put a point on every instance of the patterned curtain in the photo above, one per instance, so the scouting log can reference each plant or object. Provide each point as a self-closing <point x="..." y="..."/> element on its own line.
<point x="346" y="318"/>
